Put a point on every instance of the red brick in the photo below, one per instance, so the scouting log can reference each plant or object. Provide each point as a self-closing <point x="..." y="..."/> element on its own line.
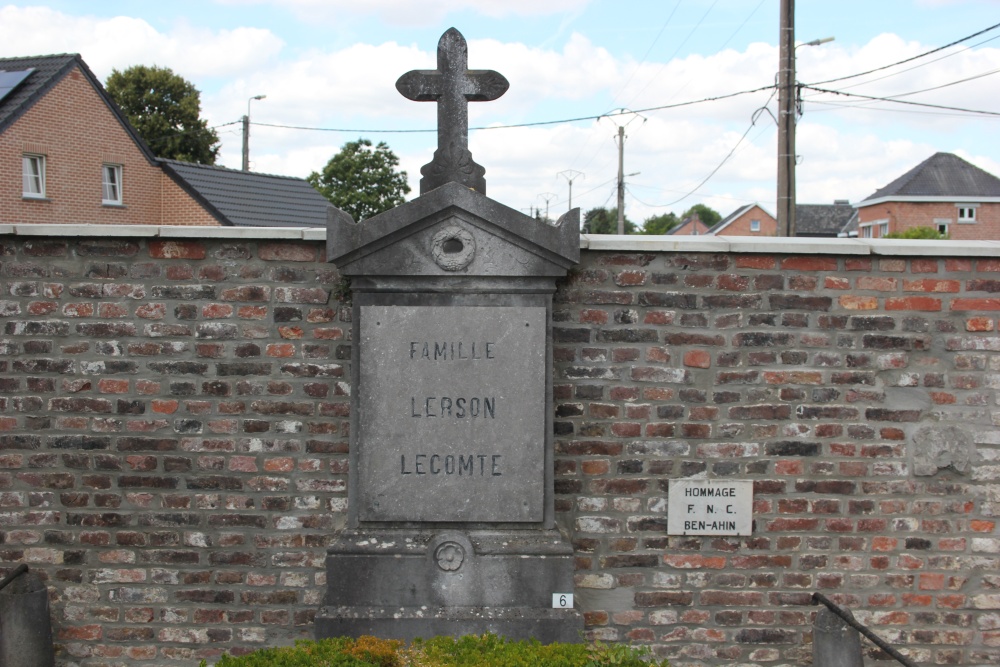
<point x="697" y="359"/>
<point x="924" y="303"/>
<point x="930" y="285"/>
<point x="755" y="262"/>
<point x="979" y="324"/>
<point x="976" y="304"/>
<point x="809" y="263"/>
<point x="159" y="249"/>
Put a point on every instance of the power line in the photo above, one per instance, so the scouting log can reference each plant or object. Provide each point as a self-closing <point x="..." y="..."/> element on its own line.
<point x="517" y="125"/>
<point x="889" y="99"/>
<point x="917" y="57"/>
<point x="867" y="106"/>
<point x="931" y="62"/>
<point x="753" y="122"/>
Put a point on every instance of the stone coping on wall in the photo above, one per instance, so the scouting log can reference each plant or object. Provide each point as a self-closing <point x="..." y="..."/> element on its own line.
<point x="608" y="242"/>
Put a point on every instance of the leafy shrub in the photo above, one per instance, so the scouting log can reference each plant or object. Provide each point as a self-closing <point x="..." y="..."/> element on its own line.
<point x="929" y="233"/>
<point x="471" y="651"/>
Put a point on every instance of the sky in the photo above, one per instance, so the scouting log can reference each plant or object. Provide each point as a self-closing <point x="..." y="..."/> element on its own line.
<point x="328" y="70"/>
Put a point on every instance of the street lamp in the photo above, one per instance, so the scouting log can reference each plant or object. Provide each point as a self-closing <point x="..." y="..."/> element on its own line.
<point x="246" y="133"/>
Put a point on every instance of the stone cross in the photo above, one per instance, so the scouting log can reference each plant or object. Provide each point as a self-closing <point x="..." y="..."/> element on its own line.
<point x="452" y="85"/>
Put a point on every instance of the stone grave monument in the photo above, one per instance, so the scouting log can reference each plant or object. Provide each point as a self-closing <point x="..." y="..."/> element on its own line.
<point x="451" y="519"/>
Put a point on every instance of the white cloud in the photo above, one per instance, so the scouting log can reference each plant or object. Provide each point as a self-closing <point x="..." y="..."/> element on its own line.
<point x="121" y="41"/>
<point x="408" y="12"/>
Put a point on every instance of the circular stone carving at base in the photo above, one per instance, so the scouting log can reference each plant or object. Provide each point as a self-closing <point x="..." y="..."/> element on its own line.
<point x="449" y="556"/>
<point x="453" y="248"/>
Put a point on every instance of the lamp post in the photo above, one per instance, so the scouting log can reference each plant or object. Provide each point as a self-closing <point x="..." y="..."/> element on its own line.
<point x="246" y="133"/>
<point x="787" y="117"/>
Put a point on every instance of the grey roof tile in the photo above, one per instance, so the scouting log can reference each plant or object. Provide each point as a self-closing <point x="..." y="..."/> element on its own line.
<point x="942" y="175"/>
<point x="251" y="199"/>
<point x="822" y="219"/>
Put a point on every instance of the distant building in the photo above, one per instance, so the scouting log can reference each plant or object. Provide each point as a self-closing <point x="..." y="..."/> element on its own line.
<point x="944" y="192"/>
<point x="690" y="226"/>
<point x="748" y="220"/>
<point x="825" y="220"/>
<point x="68" y="155"/>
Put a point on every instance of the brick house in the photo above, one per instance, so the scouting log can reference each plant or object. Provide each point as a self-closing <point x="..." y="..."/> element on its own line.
<point x="944" y="192"/>
<point x="690" y="226"/>
<point x="68" y="155"/>
<point x="747" y="220"/>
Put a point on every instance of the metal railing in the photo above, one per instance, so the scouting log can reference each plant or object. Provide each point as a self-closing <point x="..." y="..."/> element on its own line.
<point x="819" y="598"/>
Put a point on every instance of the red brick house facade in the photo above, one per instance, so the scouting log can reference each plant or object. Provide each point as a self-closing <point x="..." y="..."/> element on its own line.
<point x="64" y="128"/>
<point x="944" y="192"/>
<point x="748" y="220"/>
<point x="68" y="155"/>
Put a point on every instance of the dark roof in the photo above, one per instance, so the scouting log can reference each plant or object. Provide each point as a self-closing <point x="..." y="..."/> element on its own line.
<point x="942" y="175"/>
<point x="729" y="218"/>
<point x="250" y="199"/>
<point x="48" y="71"/>
<point x="822" y="219"/>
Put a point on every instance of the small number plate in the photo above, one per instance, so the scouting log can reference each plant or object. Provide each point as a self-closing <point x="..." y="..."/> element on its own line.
<point x="562" y="600"/>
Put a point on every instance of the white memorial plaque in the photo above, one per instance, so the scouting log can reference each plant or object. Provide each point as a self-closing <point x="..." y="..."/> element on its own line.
<point x="710" y="507"/>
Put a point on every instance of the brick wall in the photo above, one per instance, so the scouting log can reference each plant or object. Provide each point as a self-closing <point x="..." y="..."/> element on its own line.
<point x="174" y="434"/>
<point x="77" y="133"/>
<point x="904" y="215"/>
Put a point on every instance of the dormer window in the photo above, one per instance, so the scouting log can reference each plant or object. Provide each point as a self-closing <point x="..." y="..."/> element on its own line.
<point x="33" y="176"/>
<point x="111" y="184"/>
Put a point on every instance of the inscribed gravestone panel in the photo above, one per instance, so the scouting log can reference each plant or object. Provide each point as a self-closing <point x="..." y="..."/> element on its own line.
<point x="452" y="413"/>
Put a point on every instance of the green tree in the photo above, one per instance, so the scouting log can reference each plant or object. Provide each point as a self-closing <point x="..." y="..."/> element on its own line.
<point x="362" y="181"/>
<point x="925" y="233"/>
<point x="605" y="221"/>
<point x="706" y="214"/>
<point x="659" y="224"/>
<point x="165" y="109"/>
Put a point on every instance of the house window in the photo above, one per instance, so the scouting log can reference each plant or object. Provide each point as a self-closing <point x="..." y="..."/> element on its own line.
<point x="755" y="225"/>
<point x="111" y="184"/>
<point x="966" y="213"/>
<point x="883" y="229"/>
<point x="33" y="178"/>
<point x="867" y="231"/>
<point x="942" y="224"/>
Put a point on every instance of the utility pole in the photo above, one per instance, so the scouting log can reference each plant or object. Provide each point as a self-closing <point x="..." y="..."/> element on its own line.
<point x="571" y="175"/>
<point x="621" y="164"/>
<point x="786" y="120"/>
<point x="621" y="179"/>
<point x="547" y="197"/>
<point x="246" y="143"/>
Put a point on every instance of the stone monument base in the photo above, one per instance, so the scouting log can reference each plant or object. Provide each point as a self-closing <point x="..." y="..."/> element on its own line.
<point x="403" y="584"/>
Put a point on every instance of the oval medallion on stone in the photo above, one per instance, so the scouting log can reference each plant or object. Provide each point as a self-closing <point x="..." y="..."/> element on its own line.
<point x="453" y="248"/>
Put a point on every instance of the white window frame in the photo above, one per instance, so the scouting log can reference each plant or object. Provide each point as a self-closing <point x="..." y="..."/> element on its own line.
<point x="755" y="225"/>
<point x="966" y="214"/>
<point x="33" y="176"/>
<point x="111" y="184"/>
<point x="883" y="229"/>
<point x="943" y="225"/>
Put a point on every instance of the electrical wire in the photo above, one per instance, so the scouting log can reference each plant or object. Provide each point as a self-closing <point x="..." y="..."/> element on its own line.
<point x="888" y="99"/>
<point x="869" y="106"/>
<point x="561" y="121"/>
<point x="930" y="62"/>
<point x="917" y="57"/>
